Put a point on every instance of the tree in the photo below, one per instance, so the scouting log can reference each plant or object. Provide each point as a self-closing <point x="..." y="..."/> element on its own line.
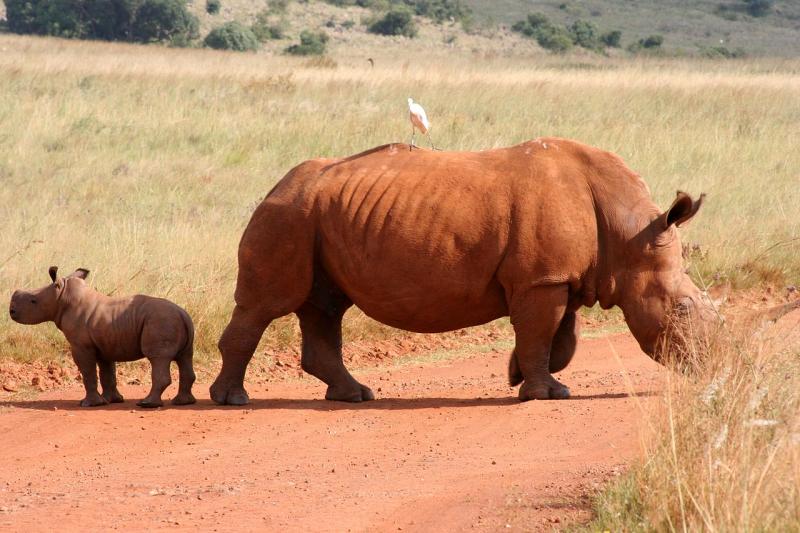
<point x="585" y="34"/>
<point x="396" y="21"/>
<point x="612" y="38"/>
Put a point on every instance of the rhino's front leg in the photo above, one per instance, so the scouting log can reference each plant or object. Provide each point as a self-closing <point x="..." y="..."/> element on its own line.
<point x="108" y="379"/>
<point x="536" y="314"/>
<point x="86" y="360"/>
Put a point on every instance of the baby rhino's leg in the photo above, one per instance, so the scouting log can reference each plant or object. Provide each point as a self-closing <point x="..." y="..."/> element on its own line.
<point x="186" y="379"/>
<point x="87" y="364"/>
<point x="161" y="380"/>
<point x="108" y="379"/>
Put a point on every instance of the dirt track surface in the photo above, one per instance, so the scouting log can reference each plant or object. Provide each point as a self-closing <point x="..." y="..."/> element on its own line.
<point x="445" y="447"/>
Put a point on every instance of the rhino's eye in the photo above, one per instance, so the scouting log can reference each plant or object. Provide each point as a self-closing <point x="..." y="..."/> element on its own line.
<point x="33" y="301"/>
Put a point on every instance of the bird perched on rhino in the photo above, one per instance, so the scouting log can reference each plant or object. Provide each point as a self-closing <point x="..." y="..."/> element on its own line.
<point x="419" y="121"/>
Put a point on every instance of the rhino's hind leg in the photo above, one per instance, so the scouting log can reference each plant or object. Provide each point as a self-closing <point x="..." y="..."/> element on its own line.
<point x="321" y="327"/>
<point x="237" y="344"/>
<point x="186" y="378"/>
<point x="108" y="379"/>
<point x="537" y="315"/>
<point x="161" y="380"/>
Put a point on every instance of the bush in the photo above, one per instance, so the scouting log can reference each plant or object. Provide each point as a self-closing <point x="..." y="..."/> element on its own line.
<point x="722" y="52"/>
<point x="164" y="20"/>
<point x="612" y="38"/>
<point x="397" y="21"/>
<point x="232" y="36"/>
<point x="440" y="10"/>
<point x="549" y="36"/>
<point x="654" y="41"/>
<point x="585" y="34"/>
<point x="213" y="6"/>
<point x="311" y="43"/>
<point x="759" y="8"/>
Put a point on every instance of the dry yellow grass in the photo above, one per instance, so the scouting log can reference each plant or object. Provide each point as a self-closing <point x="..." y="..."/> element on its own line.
<point x="143" y="164"/>
<point x="722" y="452"/>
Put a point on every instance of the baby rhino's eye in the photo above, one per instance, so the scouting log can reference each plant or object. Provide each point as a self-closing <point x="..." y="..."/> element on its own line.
<point x="33" y="301"/>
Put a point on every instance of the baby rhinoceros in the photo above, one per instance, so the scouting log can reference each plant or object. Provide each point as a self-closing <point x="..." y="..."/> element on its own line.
<point x="102" y="330"/>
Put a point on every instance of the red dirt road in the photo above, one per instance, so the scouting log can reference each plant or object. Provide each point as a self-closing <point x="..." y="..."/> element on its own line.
<point x="445" y="447"/>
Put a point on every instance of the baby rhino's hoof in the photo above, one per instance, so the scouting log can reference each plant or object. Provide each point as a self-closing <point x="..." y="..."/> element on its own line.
<point x="183" y="399"/>
<point x="93" y="401"/>
<point x="549" y="390"/>
<point x="149" y="403"/>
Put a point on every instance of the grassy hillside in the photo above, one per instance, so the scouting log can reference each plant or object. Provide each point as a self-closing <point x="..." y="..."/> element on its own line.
<point x="688" y="27"/>
<point x="685" y="24"/>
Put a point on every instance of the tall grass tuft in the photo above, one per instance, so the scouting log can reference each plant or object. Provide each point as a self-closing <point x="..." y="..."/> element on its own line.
<point x="723" y="448"/>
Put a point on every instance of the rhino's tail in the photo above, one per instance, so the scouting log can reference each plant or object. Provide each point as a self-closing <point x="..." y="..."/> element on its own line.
<point x="563" y="348"/>
<point x="188" y="349"/>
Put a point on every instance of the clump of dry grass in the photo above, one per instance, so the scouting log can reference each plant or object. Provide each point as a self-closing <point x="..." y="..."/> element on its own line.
<point x="723" y="448"/>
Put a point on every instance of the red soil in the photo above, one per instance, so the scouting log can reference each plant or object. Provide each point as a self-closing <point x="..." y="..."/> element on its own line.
<point x="446" y="446"/>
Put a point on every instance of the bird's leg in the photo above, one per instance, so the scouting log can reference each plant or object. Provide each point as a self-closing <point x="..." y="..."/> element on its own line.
<point x="413" y="133"/>
<point x="431" y="141"/>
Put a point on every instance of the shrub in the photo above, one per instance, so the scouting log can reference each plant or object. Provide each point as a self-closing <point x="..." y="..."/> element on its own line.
<point x="759" y="8"/>
<point x="555" y="39"/>
<point x="397" y="21"/>
<point x="232" y="36"/>
<point x="311" y="43"/>
<point x="440" y="10"/>
<point x="722" y="52"/>
<point x="213" y="6"/>
<point x="654" y="41"/>
<point x="612" y="38"/>
<point x="585" y="34"/>
<point x="164" y="20"/>
<point x="110" y="20"/>
<point x="549" y="36"/>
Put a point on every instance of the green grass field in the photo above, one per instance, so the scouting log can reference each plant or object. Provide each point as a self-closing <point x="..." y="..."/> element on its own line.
<point x="143" y="164"/>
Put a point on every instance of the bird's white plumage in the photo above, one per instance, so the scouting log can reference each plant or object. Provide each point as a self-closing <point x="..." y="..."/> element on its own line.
<point x="418" y="116"/>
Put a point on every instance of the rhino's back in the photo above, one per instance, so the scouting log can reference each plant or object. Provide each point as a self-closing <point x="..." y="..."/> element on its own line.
<point x="417" y="238"/>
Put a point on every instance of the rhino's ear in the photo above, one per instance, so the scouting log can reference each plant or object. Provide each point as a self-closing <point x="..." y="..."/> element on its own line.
<point x="682" y="209"/>
<point x="80" y="273"/>
<point x="53" y="271"/>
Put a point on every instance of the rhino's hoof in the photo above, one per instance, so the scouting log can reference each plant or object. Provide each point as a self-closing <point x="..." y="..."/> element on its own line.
<point x="228" y="395"/>
<point x="362" y="394"/>
<point x="93" y="401"/>
<point x="113" y="397"/>
<point x="552" y="390"/>
<point x="183" y="399"/>
<point x="150" y="404"/>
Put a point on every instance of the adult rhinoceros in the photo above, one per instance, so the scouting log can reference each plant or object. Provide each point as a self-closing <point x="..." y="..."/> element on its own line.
<point x="434" y="241"/>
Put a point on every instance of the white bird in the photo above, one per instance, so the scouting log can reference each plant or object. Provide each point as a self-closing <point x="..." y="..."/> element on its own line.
<point x="419" y="121"/>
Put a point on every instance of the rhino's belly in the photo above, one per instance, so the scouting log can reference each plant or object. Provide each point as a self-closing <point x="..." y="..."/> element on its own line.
<point x="417" y="293"/>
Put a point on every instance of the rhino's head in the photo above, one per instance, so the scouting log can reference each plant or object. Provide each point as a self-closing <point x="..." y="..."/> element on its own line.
<point x="654" y="291"/>
<point x="44" y="304"/>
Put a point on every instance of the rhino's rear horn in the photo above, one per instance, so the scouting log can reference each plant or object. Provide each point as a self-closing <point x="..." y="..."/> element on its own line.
<point x="53" y="271"/>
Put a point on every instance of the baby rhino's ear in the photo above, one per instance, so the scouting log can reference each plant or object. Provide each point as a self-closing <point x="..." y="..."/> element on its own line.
<point x="53" y="271"/>
<point x="80" y="273"/>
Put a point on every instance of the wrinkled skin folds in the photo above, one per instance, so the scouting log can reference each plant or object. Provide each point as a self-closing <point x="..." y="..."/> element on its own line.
<point x="432" y="241"/>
